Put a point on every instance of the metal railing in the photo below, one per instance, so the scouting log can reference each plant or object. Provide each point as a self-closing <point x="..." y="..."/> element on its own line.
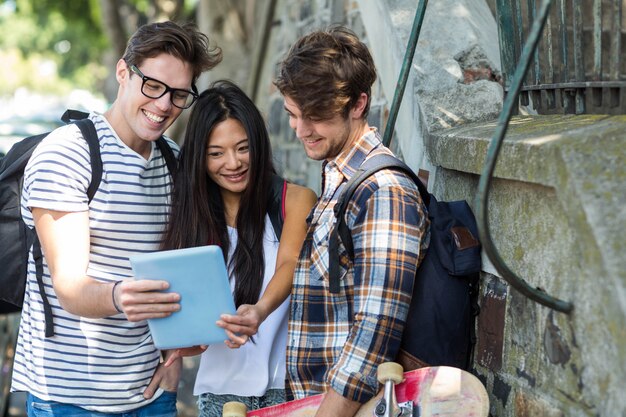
<point x="579" y="65"/>
<point x="482" y="198"/>
<point x="517" y="73"/>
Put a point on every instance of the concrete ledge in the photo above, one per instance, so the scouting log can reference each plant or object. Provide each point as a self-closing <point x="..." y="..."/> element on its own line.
<point x="530" y="142"/>
<point x="557" y="217"/>
<point x="582" y="157"/>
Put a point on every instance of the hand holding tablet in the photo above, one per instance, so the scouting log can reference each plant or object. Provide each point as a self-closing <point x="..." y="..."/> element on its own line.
<point x="199" y="275"/>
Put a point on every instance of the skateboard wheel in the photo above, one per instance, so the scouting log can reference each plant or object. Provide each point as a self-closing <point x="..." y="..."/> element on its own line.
<point x="390" y="371"/>
<point x="234" y="409"/>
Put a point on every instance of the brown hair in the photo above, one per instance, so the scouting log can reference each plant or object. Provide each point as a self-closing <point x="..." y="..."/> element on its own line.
<point x="326" y="71"/>
<point x="183" y="41"/>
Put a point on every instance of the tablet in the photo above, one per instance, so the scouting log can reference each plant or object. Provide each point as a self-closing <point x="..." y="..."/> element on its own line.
<point x="199" y="276"/>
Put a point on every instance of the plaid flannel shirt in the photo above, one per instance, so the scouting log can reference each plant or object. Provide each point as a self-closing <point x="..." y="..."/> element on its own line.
<point x="338" y="340"/>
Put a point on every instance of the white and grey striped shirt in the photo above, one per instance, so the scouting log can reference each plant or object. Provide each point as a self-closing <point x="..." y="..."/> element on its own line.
<point x="98" y="364"/>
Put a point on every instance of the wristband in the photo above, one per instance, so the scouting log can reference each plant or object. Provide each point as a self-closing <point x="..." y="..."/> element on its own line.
<point x="119" y="310"/>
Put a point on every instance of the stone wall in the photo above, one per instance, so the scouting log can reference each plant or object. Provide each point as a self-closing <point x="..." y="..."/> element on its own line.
<point x="556" y="218"/>
<point x="555" y="205"/>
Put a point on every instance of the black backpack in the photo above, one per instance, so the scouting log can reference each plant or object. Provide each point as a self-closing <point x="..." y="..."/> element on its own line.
<point x="440" y="324"/>
<point x="15" y="237"/>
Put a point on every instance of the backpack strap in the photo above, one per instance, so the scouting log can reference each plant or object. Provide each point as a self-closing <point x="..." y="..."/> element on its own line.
<point x="71" y="115"/>
<point x="276" y="203"/>
<point x="90" y="135"/>
<point x="47" y="310"/>
<point x="168" y="154"/>
<point x="88" y="131"/>
<point x="341" y="230"/>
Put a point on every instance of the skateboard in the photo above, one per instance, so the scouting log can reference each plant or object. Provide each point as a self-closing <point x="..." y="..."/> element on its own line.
<point x="425" y="392"/>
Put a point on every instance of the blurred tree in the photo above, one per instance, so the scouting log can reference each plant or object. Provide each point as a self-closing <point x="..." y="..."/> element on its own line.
<point x="65" y="33"/>
<point x="120" y="18"/>
<point x="78" y="40"/>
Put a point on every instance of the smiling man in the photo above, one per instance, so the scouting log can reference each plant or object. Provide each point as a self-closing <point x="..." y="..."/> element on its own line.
<point x="336" y="341"/>
<point x="101" y="357"/>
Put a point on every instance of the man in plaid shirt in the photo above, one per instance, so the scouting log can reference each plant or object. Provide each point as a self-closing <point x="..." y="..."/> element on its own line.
<point x="337" y="341"/>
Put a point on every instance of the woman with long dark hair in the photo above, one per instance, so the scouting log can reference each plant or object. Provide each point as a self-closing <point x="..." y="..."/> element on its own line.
<point x="220" y="197"/>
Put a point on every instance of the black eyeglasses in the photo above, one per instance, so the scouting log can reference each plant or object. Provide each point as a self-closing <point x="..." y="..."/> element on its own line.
<point x="151" y="88"/>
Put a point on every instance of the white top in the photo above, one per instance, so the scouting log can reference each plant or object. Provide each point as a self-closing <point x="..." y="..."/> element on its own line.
<point x="255" y="367"/>
<point x="98" y="364"/>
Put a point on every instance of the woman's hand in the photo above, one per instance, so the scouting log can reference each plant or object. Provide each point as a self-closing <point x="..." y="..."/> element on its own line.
<point x="241" y="326"/>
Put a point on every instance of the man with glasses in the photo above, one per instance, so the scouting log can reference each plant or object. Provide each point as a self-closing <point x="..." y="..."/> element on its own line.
<point x="101" y="358"/>
<point x="152" y="88"/>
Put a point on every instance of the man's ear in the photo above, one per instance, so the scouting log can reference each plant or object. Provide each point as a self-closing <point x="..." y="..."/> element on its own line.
<point x="121" y="72"/>
<point x="359" y="107"/>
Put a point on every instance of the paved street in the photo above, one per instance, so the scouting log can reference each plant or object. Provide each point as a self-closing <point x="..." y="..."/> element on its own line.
<point x="16" y="405"/>
<point x="186" y="400"/>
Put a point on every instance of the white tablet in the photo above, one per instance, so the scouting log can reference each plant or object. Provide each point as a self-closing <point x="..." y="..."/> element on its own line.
<point x="199" y="276"/>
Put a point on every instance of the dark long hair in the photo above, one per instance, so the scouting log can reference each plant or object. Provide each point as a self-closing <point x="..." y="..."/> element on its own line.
<point x="197" y="217"/>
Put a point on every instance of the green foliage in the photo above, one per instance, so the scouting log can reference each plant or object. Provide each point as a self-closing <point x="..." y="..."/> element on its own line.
<point x="52" y="45"/>
<point x="37" y="73"/>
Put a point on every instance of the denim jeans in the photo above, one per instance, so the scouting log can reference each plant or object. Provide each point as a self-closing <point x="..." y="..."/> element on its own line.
<point x="211" y="405"/>
<point x="164" y="406"/>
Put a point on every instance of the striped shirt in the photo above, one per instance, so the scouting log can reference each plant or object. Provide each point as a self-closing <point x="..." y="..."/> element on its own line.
<point x="98" y="364"/>
<point x="337" y="340"/>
